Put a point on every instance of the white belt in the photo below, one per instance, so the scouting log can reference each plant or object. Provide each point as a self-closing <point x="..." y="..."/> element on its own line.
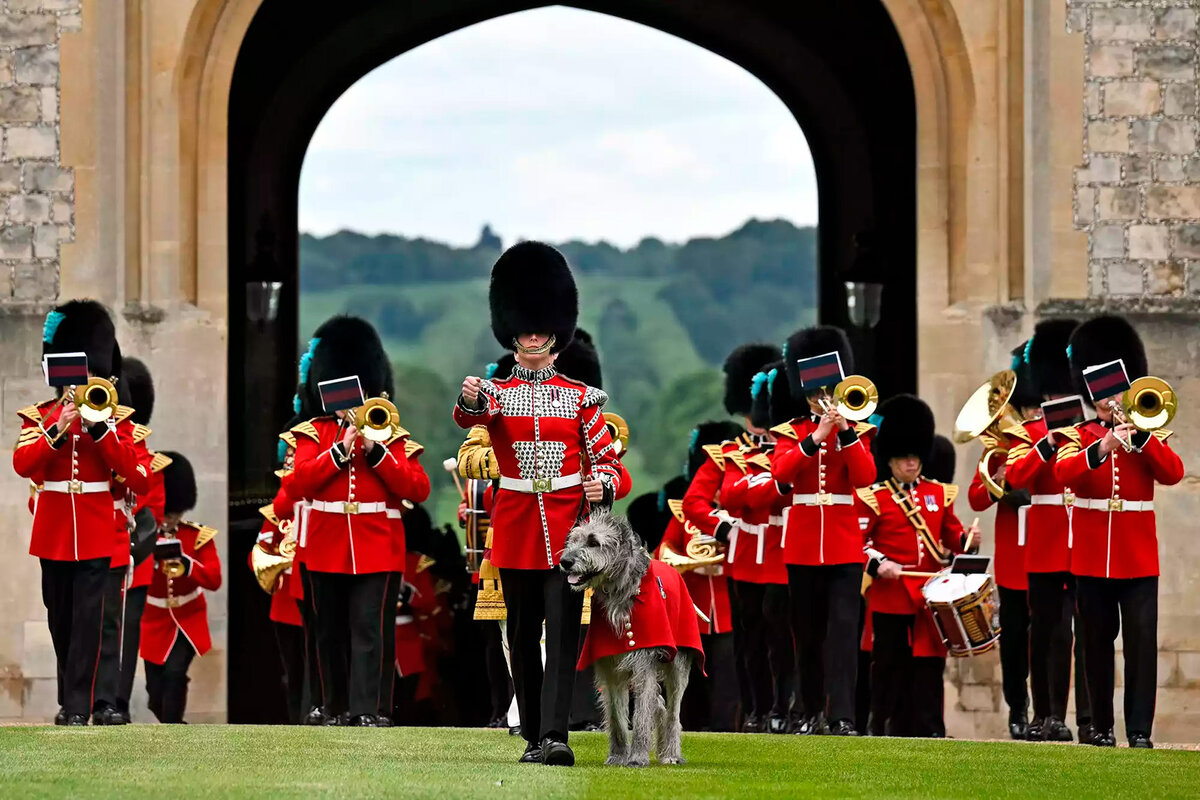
<point x="1022" y="514"/>
<point x="339" y="507"/>
<point x="755" y="530"/>
<point x="823" y="499"/>
<point x="1065" y="499"/>
<point x="540" y="485"/>
<point x="77" y="487"/>
<point x="392" y="513"/>
<point x="776" y="519"/>
<point x="173" y="602"/>
<point x="1103" y="504"/>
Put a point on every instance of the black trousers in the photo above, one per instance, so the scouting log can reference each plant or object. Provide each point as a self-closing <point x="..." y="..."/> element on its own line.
<point x="711" y="702"/>
<point x="862" y="690"/>
<point x="499" y="682"/>
<point x="907" y="692"/>
<point x="532" y="596"/>
<point x="1014" y="648"/>
<point x="167" y="683"/>
<point x="1128" y="606"/>
<point x="312" y="657"/>
<point x="73" y="593"/>
<point x="767" y="654"/>
<point x="387" y="635"/>
<point x="108" y="670"/>
<point x="290" y="640"/>
<point x="348" y="610"/>
<point x="131" y="636"/>
<point x="585" y="701"/>
<point x="825" y="609"/>
<point x="1051" y="611"/>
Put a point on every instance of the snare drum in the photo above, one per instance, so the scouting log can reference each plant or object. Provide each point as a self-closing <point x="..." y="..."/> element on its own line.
<point x="966" y="611"/>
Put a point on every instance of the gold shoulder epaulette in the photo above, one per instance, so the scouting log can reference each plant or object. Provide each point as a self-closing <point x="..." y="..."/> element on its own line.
<point x="268" y="512"/>
<point x="738" y="458"/>
<point x="1162" y="434"/>
<point x="141" y="433"/>
<point x="413" y="449"/>
<point x="1017" y="432"/>
<point x="1017" y="451"/>
<point x="159" y="462"/>
<point x="289" y="439"/>
<point x="785" y="429"/>
<point x="988" y="441"/>
<point x="307" y="429"/>
<point x="867" y="495"/>
<point x="122" y="413"/>
<point x="863" y="428"/>
<point x="676" y="507"/>
<point x="204" y="534"/>
<point x="715" y="453"/>
<point x="949" y="492"/>
<point x="31" y="413"/>
<point x="1071" y="434"/>
<point x="424" y="563"/>
<point x="760" y="460"/>
<point x="397" y="434"/>
<point x="27" y="437"/>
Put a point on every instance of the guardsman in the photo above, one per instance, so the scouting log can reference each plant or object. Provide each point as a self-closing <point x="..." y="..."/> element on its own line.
<point x="73" y="462"/>
<point x="911" y="527"/>
<point x="349" y="481"/>
<point x="277" y="536"/>
<point x="542" y="427"/>
<point x="1112" y="467"/>
<point x="175" y="622"/>
<point x="1048" y="546"/>
<point x="1008" y="563"/>
<point x="822" y="460"/>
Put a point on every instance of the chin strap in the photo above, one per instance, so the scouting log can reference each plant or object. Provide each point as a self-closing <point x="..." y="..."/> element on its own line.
<point x="534" y="351"/>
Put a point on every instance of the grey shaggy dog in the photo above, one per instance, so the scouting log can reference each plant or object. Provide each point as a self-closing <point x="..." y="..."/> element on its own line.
<point x="605" y="554"/>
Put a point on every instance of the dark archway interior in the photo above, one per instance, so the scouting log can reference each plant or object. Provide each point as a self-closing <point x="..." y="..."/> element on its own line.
<point x="839" y="67"/>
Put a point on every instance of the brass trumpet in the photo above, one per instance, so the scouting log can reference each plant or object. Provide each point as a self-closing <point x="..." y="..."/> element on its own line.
<point x="987" y="412"/>
<point x="377" y="419"/>
<point x="618" y="429"/>
<point x="855" y="398"/>
<point x="96" y="400"/>
<point x="1148" y="404"/>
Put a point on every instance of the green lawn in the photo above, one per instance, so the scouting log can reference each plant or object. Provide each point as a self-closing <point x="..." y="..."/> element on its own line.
<point x="271" y="763"/>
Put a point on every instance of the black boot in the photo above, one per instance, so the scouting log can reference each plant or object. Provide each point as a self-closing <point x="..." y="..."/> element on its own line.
<point x="1055" y="730"/>
<point x="315" y="716"/>
<point x="752" y="724"/>
<point x="1104" y="739"/>
<point x="557" y="754"/>
<point x="777" y="723"/>
<point x="1018" y="725"/>
<point x="532" y="754"/>
<point x="842" y="727"/>
<point x="1140" y="741"/>
<point x="362" y="721"/>
<point x="1036" y="731"/>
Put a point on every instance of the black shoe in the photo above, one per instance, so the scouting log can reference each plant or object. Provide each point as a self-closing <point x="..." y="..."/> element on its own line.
<point x="1055" y="730"/>
<point x="752" y="724"/>
<point x="777" y="723"/>
<point x="1140" y="741"/>
<point x="108" y="716"/>
<point x="532" y="754"/>
<point x="498" y="723"/>
<point x="1018" y="726"/>
<point x="593" y="727"/>
<point x="1104" y="739"/>
<point x="557" y="754"/>
<point x="843" y="727"/>
<point x="76" y="720"/>
<point x="121" y="717"/>
<point x="1036" y="732"/>
<point x="315" y="716"/>
<point x="1086" y="733"/>
<point x="514" y="730"/>
<point x="810" y="726"/>
<point x="334" y="720"/>
<point x="61" y="717"/>
<point x="363" y="721"/>
<point x="384" y="722"/>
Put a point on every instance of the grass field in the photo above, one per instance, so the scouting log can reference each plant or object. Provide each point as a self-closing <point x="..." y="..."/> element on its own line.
<point x="287" y="762"/>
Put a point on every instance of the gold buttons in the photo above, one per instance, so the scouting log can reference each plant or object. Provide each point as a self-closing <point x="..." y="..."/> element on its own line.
<point x="632" y="643"/>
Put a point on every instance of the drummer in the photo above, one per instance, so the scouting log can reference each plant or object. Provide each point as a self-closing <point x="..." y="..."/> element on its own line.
<point x="910" y="527"/>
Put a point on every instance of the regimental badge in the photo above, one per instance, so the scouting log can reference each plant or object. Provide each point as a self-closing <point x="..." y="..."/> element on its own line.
<point x="931" y="503"/>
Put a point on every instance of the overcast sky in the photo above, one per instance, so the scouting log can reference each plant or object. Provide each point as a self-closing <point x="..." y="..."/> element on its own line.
<point x="556" y="124"/>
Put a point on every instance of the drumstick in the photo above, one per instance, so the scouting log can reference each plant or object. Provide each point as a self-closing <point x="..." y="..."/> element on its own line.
<point x="908" y="574"/>
<point x="451" y="466"/>
<point x="971" y="537"/>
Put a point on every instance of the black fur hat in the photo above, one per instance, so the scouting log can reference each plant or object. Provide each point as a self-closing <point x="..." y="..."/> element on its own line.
<point x="1046" y="354"/>
<point x="579" y="360"/>
<point x="673" y="489"/>
<point x="1103" y="339"/>
<point x="942" y="460"/>
<point x="136" y="389"/>
<point x="815" y="341"/>
<point x="647" y="520"/>
<point x="501" y="368"/>
<point x="533" y="291"/>
<point x="784" y="407"/>
<point x="341" y="347"/>
<point x="760" y="395"/>
<point x="1025" y="394"/>
<point x="906" y="430"/>
<point x="84" y="326"/>
<point x="179" y="484"/>
<point x="739" y="369"/>
<point x="710" y="432"/>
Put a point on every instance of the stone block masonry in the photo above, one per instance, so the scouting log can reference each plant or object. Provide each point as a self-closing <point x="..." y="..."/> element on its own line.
<point x="37" y="194"/>
<point x="1136" y="188"/>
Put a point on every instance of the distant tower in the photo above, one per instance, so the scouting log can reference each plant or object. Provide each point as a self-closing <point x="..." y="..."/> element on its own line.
<point x="488" y="240"/>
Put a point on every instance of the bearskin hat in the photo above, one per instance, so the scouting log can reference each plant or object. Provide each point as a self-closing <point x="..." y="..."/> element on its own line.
<point x="710" y="432"/>
<point x="942" y="460"/>
<point x="1025" y="393"/>
<point x="647" y="521"/>
<point x="579" y="360"/>
<point x="501" y="368"/>
<point x="673" y="489"/>
<point x="533" y="291"/>
<point x="84" y="326"/>
<point x="1046" y="355"/>
<point x="760" y="395"/>
<point x="179" y="484"/>
<point x="739" y="368"/>
<point x="906" y="430"/>
<point x="136" y="389"/>
<point x="815" y="341"/>
<point x="341" y="347"/>
<point x="1103" y="339"/>
<point x="784" y="406"/>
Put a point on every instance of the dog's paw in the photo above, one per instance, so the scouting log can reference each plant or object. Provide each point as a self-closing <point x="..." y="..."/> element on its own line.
<point x="637" y="761"/>
<point x="616" y="760"/>
<point x="672" y="760"/>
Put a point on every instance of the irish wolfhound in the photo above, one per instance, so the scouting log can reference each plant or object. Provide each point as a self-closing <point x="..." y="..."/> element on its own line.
<point x="643" y="633"/>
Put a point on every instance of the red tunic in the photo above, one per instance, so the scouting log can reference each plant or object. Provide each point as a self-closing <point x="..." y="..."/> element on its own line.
<point x="177" y="605"/>
<point x="750" y="493"/>
<point x="1048" y="537"/>
<point x="348" y="530"/>
<point x="1111" y="539"/>
<point x="701" y="504"/>
<point x="284" y="608"/>
<point x="890" y="533"/>
<point x="821" y="524"/>
<point x="544" y="427"/>
<point x="1008" y="563"/>
<point x="154" y="499"/>
<point x="418" y="493"/>
<point x="708" y="586"/>
<point x="71" y="526"/>
<point x="128" y="491"/>
<point x="414" y="628"/>
<point x="662" y="616"/>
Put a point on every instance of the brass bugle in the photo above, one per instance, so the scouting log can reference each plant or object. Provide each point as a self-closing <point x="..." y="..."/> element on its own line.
<point x="1149" y="404"/>
<point x="96" y="400"/>
<point x="856" y="397"/>
<point x="377" y="418"/>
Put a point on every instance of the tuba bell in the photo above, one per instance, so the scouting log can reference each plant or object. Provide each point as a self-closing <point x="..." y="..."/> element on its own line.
<point x="618" y="429"/>
<point x="267" y="565"/>
<point x="377" y="419"/>
<point x="986" y="413"/>
<point x="96" y="400"/>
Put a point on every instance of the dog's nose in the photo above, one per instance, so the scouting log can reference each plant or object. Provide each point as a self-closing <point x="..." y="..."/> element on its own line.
<point x="566" y="562"/>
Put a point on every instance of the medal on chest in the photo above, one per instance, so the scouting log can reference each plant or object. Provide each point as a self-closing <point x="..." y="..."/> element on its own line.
<point x="931" y="503"/>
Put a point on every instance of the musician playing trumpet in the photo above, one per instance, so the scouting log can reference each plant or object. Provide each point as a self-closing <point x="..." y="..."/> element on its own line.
<point x="1112" y="465"/>
<point x="911" y="528"/>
